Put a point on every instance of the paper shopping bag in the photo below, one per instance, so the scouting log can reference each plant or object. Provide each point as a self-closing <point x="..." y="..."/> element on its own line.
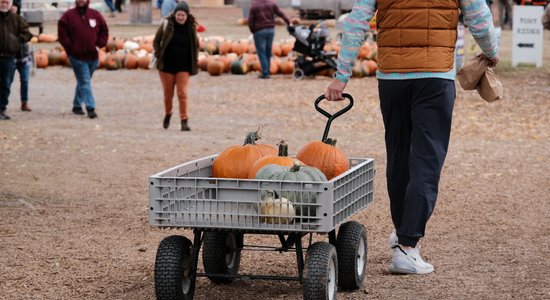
<point x="490" y="88"/>
<point x="471" y="73"/>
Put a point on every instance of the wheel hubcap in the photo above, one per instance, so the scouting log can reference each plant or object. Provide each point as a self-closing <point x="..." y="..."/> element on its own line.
<point x="361" y="256"/>
<point x="185" y="285"/>
<point x="331" y="286"/>
<point x="231" y="246"/>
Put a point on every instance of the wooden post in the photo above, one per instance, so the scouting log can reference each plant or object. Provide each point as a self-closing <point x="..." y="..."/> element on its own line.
<point x="141" y="12"/>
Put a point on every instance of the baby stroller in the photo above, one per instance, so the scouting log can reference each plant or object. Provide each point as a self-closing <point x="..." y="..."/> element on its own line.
<point x="309" y="44"/>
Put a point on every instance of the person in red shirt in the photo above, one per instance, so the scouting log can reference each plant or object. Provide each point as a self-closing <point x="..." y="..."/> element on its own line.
<point x="261" y="22"/>
<point x="82" y="31"/>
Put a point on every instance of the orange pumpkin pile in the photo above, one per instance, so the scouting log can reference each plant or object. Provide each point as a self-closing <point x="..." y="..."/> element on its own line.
<point x="242" y="162"/>
<point x="218" y="55"/>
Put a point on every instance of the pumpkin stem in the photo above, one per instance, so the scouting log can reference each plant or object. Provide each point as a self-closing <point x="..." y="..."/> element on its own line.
<point x="251" y="138"/>
<point x="330" y="141"/>
<point x="295" y="168"/>
<point x="283" y="148"/>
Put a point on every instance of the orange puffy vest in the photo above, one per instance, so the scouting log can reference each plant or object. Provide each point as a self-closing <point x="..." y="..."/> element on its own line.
<point x="416" y="35"/>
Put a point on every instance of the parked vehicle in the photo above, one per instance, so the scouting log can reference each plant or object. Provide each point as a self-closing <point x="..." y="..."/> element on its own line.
<point x="308" y="9"/>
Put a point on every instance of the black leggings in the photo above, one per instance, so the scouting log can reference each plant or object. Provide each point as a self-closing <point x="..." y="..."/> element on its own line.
<point x="417" y="117"/>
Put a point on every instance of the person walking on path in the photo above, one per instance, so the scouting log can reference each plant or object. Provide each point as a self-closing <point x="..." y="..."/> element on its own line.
<point x="111" y="7"/>
<point x="176" y="46"/>
<point x="505" y="8"/>
<point x="261" y="22"/>
<point x="417" y="91"/>
<point x="23" y="61"/>
<point x="14" y="31"/>
<point x="82" y="31"/>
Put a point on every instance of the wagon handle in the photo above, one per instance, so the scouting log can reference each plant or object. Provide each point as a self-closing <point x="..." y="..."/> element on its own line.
<point x="334" y="116"/>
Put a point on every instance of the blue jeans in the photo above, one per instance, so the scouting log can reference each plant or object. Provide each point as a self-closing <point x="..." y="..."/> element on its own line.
<point x="110" y="5"/>
<point x="263" y="40"/>
<point x="24" y="70"/>
<point x="83" y="70"/>
<point x="7" y="64"/>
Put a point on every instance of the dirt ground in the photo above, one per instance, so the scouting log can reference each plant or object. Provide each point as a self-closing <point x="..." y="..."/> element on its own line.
<point x="74" y="191"/>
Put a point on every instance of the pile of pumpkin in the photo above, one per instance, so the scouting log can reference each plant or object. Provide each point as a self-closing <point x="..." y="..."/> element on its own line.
<point x="218" y="55"/>
<point x="317" y="161"/>
<point x="117" y="54"/>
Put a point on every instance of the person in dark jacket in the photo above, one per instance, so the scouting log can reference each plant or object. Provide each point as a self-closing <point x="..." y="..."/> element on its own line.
<point x="261" y="22"/>
<point x="176" y="49"/>
<point x="13" y="32"/>
<point x="82" y="31"/>
<point x="23" y="62"/>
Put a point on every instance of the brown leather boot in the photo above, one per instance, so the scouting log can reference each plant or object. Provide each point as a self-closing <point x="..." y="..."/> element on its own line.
<point x="184" y="126"/>
<point x="25" y="106"/>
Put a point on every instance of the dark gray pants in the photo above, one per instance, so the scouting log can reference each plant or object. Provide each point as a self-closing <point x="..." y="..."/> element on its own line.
<point x="417" y="117"/>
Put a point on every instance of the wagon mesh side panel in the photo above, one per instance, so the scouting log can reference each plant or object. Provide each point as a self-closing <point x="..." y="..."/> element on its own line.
<point x="186" y="196"/>
<point x="353" y="192"/>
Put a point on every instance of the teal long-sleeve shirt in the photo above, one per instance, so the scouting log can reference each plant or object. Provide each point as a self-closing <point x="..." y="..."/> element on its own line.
<point x="477" y="16"/>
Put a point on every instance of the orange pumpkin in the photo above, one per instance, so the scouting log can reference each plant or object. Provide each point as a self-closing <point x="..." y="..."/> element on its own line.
<point x="131" y="61"/>
<point x="119" y="43"/>
<point x="144" y="62"/>
<point x="41" y="58"/>
<point x="364" y="51"/>
<point x="226" y="60"/>
<point x="211" y="47"/>
<point x="203" y="62"/>
<point x="281" y="159"/>
<point x="101" y="57"/>
<point x="251" y="48"/>
<point x="255" y="66"/>
<point x="242" y="21"/>
<point x="287" y="66"/>
<point x="276" y="49"/>
<point x="370" y="67"/>
<point x="47" y="38"/>
<point x="275" y="65"/>
<point x="286" y="48"/>
<point x="238" y="48"/>
<point x="325" y="157"/>
<point x="236" y="161"/>
<point x="225" y="47"/>
<point x="215" y="67"/>
<point x="147" y="46"/>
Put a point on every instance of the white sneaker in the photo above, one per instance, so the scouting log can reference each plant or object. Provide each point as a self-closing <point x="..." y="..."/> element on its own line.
<point x="409" y="262"/>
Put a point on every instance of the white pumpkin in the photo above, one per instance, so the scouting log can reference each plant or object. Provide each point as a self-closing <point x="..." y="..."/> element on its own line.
<point x="274" y="211"/>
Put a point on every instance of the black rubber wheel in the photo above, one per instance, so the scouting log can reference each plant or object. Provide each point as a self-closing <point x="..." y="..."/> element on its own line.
<point x="221" y="254"/>
<point x="320" y="280"/>
<point x="298" y="74"/>
<point x="351" y="246"/>
<point x="173" y="269"/>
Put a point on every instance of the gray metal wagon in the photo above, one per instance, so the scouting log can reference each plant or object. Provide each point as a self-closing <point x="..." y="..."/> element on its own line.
<point x="221" y="211"/>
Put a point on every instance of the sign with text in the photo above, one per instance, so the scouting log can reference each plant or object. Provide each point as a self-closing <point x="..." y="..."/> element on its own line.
<point x="527" y="36"/>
